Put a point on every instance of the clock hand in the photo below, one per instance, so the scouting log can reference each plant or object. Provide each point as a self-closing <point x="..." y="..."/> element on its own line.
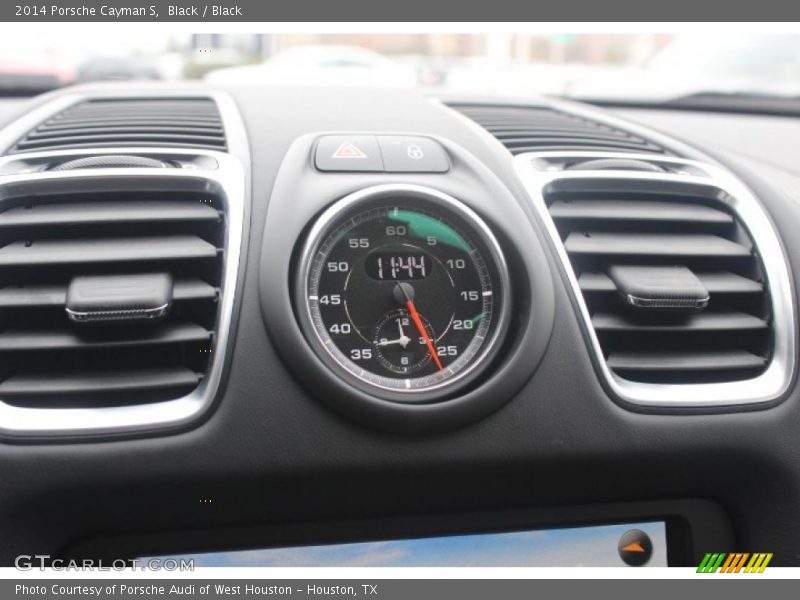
<point x="412" y="310"/>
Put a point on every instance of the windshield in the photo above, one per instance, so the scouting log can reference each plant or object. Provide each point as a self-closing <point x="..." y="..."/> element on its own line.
<point x="650" y="67"/>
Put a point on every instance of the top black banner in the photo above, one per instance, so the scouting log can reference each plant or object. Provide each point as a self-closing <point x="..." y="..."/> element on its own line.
<point x="393" y="11"/>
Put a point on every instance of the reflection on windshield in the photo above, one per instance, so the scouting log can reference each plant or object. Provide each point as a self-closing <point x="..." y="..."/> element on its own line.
<point x="647" y="67"/>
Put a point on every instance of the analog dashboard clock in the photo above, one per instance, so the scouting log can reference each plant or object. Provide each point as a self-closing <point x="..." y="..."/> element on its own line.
<point x="403" y="292"/>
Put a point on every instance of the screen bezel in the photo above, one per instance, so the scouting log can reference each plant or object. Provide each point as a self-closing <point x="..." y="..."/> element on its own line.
<point x="693" y="527"/>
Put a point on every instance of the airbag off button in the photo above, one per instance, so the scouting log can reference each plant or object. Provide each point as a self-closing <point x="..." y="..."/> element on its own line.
<point x="413" y="154"/>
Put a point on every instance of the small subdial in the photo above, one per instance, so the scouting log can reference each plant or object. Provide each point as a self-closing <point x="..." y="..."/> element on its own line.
<point x="398" y="344"/>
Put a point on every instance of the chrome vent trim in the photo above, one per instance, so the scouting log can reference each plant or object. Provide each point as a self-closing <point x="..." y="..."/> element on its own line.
<point x="532" y="171"/>
<point x="226" y="172"/>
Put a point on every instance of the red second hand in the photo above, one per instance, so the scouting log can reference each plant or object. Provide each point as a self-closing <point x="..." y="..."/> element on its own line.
<point x="421" y="326"/>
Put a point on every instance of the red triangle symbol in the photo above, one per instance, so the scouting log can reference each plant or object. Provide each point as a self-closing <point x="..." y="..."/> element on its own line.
<point x="348" y="150"/>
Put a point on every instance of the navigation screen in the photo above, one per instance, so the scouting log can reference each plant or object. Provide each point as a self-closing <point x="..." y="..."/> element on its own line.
<point x="639" y="544"/>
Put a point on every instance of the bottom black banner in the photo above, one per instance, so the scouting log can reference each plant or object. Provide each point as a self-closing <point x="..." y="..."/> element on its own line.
<point x="385" y="589"/>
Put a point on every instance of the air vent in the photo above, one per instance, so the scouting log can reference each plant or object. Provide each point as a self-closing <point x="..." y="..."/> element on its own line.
<point x="129" y="122"/>
<point x="527" y="129"/>
<point x="621" y="236"/>
<point x="48" y="240"/>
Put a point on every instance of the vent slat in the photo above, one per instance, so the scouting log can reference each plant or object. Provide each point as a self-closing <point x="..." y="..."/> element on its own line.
<point x="123" y="112"/>
<point x="123" y="129"/>
<point x="730" y="283"/>
<point x="56" y="295"/>
<point x="715" y="283"/>
<point x="707" y="321"/>
<point x="94" y="124"/>
<point x="515" y="131"/>
<point x="129" y="144"/>
<point x="561" y="131"/>
<point x="33" y="296"/>
<point x="109" y="123"/>
<point x="566" y="147"/>
<point x="26" y="386"/>
<point x="636" y="244"/>
<point x="596" y="282"/>
<point x="67" y="339"/>
<point x="627" y="210"/>
<point x="567" y="142"/>
<point x="114" y="105"/>
<point x="120" y="139"/>
<point x="74" y="251"/>
<point x="130" y="211"/>
<point x="194" y="289"/>
<point x="528" y="129"/>
<point x="691" y="361"/>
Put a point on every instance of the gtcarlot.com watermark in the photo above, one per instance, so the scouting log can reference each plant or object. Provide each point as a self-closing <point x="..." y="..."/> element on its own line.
<point x="30" y="562"/>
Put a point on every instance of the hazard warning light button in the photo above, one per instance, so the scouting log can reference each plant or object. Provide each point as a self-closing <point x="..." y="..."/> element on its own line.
<point x="348" y="153"/>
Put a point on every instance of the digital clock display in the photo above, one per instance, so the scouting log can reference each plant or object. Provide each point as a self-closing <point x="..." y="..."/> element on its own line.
<point x="398" y="266"/>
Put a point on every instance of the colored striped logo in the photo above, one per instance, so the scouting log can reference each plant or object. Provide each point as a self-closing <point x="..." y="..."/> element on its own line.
<point x="736" y="562"/>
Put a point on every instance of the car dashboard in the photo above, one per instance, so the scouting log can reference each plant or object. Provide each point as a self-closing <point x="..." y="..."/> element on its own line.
<point x="246" y="317"/>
